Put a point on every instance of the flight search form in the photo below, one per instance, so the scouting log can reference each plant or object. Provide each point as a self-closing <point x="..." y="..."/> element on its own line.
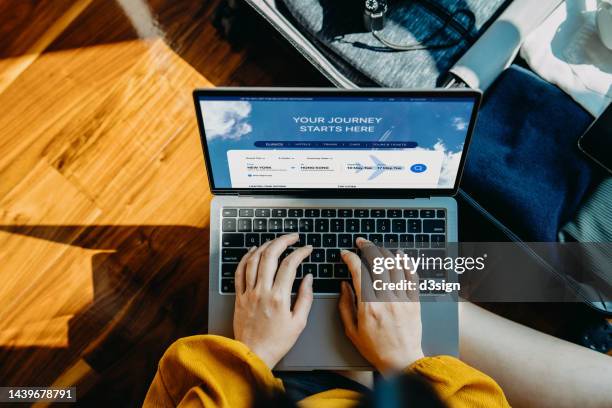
<point x="334" y="168"/>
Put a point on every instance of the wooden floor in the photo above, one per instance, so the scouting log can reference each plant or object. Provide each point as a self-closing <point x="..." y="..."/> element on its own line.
<point x="104" y="200"/>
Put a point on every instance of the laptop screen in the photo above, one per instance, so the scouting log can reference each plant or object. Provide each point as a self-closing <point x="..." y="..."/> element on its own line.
<point x="335" y="142"/>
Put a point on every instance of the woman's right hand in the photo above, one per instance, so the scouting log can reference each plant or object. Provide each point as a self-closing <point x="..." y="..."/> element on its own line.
<point x="386" y="332"/>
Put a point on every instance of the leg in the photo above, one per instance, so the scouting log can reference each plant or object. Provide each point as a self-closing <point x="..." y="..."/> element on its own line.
<point x="533" y="368"/>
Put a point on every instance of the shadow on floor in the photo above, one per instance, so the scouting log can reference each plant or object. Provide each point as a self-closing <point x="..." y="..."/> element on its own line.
<point x="149" y="289"/>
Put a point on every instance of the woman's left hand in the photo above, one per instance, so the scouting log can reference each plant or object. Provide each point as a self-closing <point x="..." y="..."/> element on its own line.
<point x="263" y="319"/>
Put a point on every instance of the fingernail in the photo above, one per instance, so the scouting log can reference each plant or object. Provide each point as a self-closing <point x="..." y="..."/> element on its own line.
<point x="252" y="248"/>
<point x="344" y="252"/>
<point x="308" y="247"/>
<point x="361" y="239"/>
<point x="309" y="279"/>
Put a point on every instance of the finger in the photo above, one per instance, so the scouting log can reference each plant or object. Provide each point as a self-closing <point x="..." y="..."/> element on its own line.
<point x="369" y="253"/>
<point x="348" y="310"/>
<point x="395" y="273"/>
<point x="269" y="259"/>
<point x="239" y="276"/>
<point x="288" y="267"/>
<point x="353" y="262"/>
<point x="412" y="276"/>
<point x="252" y="265"/>
<point x="303" y="302"/>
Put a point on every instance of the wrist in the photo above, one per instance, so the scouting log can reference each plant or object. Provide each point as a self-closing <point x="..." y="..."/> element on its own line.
<point x="268" y="358"/>
<point x="399" y="364"/>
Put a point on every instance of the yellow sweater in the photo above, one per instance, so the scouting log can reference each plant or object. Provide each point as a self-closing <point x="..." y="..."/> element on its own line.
<point x="214" y="371"/>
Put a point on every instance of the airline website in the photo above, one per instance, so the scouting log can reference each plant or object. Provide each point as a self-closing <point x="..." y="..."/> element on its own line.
<point x="335" y="142"/>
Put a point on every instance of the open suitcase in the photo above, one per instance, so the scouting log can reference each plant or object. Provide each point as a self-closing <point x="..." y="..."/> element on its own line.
<point x="325" y="32"/>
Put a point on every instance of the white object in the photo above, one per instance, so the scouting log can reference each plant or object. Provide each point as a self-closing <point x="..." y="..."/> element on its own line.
<point x="604" y="22"/>
<point x="566" y="50"/>
<point x="497" y="47"/>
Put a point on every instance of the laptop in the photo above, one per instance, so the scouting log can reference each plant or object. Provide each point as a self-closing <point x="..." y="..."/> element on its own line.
<point x="332" y="165"/>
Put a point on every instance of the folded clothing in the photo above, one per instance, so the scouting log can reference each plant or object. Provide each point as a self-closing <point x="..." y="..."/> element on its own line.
<point x="338" y="24"/>
<point x="523" y="163"/>
<point x="566" y="51"/>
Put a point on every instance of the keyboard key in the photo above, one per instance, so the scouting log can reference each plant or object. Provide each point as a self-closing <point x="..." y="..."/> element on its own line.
<point x="275" y="225"/>
<point x="434" y="226"/>
<point x="302" y="240"/>
<point x="321" y="225"/>
<point x="232" y="254"/>
<point x="437" y="240"/>
<point x="314" y="239"/>
<point x="341" y="271"/>
<point x="244" y="225"/>
<point x="383" y="226"/>
<point x="266" y="237"/>
<point x="329" y="240"/>
<point x="326" y="270"/>
<point x="421" y="240"/>
<point x="260" y="225"/>
<point x="367" y="225"/>
<point x="312" y="212"/>
<point x="262" y="212"/>
<point x="352" y="225"/>
<point x="284" y="254"/>
<point x="414" y="226"/>
<point x="326" y="285"/>
<point x="291" y="224"/>
<point x="411" y="213"/>
<point x="391" y="240"/>
<point x="406" y="241"/>
<point x="377" y="213"/>
<point x="306" y="225"/>
<point x="317" y="255"/>
<point x="398" y="225"/>
<point x="298" y="271"/>
<point x="441" y="213"/>
<point x="251" y="240"/>
<point x="328" y="213"/>
<point x="344" y="213"/>
<point x="295" y="212"/>
<point x="227" y="286"/>
<point x="279" y="213"/>
<point x="345" y="240"/>
<point x="377" y="239"/>
<point x="362" y="213"/>
<point x="309" y="268"/>
<point x="246" y="212"/>
<point x="336" y="225"/>
<point x="428" y="213"/>
<point x="229" y="212"/>
<point x="394" y="213"/>
<point x="232" y="240"/>
<point x="228" y="270"/>
<point x="228" y="225"/>
<point x="333" y="255"/>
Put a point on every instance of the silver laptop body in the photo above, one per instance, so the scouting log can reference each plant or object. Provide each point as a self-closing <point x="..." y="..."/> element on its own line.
<point x="323" y="344"/>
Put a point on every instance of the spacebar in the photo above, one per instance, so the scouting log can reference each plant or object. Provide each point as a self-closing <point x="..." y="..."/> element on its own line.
<point x="320" y="285"/>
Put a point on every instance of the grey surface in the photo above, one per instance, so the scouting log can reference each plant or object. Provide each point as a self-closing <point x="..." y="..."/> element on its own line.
<point x="323" y="344"/>
<point x="338" y="24"/>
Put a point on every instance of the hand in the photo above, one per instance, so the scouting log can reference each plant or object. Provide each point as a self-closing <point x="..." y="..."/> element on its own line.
<point x="387" y="333"/>
<point x="263" y="319"/>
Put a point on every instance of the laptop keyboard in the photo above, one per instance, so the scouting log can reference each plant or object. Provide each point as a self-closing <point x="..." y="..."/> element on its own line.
<point x="328" y="230"/>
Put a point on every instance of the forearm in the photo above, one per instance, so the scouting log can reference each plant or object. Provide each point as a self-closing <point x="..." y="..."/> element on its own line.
<point x="533" y="368"/>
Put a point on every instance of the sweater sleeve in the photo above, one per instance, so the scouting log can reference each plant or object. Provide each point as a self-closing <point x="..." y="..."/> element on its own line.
<point x="458" y="384"/>
<point x="209" y="371"/>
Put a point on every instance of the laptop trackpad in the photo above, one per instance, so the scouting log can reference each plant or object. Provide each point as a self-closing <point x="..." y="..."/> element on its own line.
<point x="323" y="344"/>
